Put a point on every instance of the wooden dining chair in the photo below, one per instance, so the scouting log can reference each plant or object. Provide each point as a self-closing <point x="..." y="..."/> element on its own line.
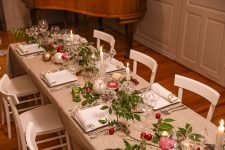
<point x="99" y="35"/>
<point x="146" y="60"/>
<point x="45" y="118"/>
<point x="25" y="90"/>
<point x="31" y="133"/>
<point x="199" y="88"/>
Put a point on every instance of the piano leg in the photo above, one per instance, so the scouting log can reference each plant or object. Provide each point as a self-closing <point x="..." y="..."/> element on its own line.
<point x="100" y="24"/>
<point x="129" y="33"/>
<point x="35" y="14"/>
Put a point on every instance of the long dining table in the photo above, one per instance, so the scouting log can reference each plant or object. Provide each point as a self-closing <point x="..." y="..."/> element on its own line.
<point x="34" y="66"/>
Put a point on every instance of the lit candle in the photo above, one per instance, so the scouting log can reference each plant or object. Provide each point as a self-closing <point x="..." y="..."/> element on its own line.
<point x="101" y="55"/>
<point x="220" y="135"/>
<point x="71" y="36"/>
<point x="128" y="72"/>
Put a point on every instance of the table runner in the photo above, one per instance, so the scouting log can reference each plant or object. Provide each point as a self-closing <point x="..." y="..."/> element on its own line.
<point x="63" y="100"/>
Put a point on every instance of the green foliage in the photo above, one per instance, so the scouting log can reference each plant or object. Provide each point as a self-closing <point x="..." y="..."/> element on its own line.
<point x="88" y="94"/>
<point x="128" y="146"/>
<point x="186" y="132"/>
<point x="122" y="107"/>
<point x="19" y="34"/>
<point x="161" y="125"/>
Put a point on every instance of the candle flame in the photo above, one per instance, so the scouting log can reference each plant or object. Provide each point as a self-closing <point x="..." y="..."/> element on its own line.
<point x="221" y="122"/>
<point x="127" y="64"/>
<point x="71" y="32"/>
<point x="100" y="48"/>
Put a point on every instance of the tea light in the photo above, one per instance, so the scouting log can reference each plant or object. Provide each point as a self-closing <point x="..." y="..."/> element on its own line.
<point x="128" y="72"/>
<point x="220" y="134"/>
<point x="99" y="86"/>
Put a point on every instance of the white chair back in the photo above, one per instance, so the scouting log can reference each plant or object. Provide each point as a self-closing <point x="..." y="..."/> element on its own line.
<point x="199" y="88"/>
<point x="31" y="134"/>
<point x="105" y="37"/>
<point x="146" y="60"/>
<point x="12" y="100"/>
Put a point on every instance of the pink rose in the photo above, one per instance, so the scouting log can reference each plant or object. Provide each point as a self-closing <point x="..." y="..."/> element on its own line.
<point x="166" y="143"/>
<point x="65" y="56"/>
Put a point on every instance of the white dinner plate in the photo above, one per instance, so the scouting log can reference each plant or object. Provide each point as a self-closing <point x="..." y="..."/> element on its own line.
<point x="57" y="78"/>
<point x="29" y="49"/>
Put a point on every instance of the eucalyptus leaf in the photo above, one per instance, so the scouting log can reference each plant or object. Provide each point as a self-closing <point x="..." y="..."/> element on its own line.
<point x="104" y="107"/>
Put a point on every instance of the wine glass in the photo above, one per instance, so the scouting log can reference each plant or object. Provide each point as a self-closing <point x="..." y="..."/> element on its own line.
<point x="43" y="25"/>
<point x="55" y="31"/>
<point x="65" y="34"/>
<point x="112" y="53"/>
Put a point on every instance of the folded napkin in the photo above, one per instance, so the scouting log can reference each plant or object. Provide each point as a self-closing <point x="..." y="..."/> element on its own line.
<point x="88" y="118"/>
<point x="160" y="90"/>
<point x="30" y="48"/>
<point x="59" y="77"/>
<point x="112" y="65"/>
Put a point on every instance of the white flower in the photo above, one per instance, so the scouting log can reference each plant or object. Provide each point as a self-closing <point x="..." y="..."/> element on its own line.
<point x="83" y="40"/>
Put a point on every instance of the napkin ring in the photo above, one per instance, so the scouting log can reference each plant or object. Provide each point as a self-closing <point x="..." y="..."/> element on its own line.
<point x="170" y="97"/>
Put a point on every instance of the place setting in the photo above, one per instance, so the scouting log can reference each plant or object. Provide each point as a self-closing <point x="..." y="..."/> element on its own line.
<point x="59" y="79"/>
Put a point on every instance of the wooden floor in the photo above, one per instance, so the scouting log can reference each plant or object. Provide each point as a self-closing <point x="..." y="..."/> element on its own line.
<point x="165" y="76"/>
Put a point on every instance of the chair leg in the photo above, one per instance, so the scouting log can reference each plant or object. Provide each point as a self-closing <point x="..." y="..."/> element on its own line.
<point x="18" y="140"/>
<point x="8" y="121"/>
<point x="3" y="114"/>
<point x="42" y="99"/>
<point x="68" y="141"/>
<point x="8" y="125"/>
<point x="61" y="139"/>
<point x="36" y="101"/>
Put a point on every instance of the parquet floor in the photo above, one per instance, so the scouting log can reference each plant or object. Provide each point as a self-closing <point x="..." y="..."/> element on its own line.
<point x="165" y="76"/>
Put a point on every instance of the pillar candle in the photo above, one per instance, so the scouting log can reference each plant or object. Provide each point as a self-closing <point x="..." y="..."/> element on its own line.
<point x="127" y="72"/>
<point x="220" y="135"/>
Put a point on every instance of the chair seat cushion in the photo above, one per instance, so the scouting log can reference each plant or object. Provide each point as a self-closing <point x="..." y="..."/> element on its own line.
<point x="45" y="119"/>
<point x="21" y="86"/>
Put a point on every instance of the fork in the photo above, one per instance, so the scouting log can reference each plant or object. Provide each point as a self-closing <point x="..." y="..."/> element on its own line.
<point x="167" y="112"/>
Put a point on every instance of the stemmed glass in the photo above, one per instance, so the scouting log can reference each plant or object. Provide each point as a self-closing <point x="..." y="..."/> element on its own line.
<point x="151" y="96"/>
<point x="112" y="53"/>
<point x="43" y="25"/>
<point x="55" y="31"/>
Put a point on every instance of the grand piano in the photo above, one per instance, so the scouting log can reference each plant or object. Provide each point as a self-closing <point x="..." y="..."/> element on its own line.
<point x="127" y="12"/>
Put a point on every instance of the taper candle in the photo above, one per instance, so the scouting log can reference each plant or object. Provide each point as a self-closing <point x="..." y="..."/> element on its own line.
<point x="128" y="72"/>
<point x="101" y="56"/>
<point x="220" y="135"/>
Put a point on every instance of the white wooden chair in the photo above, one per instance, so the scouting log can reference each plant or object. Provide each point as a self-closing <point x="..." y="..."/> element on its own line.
<point x="31" y="133"/>
<point x="105" y="37"/>
<point x="199" y="88"/>
<point x="25" y="90"/>
<point x="45" y="118"/>
<point x="146" y="60"/>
